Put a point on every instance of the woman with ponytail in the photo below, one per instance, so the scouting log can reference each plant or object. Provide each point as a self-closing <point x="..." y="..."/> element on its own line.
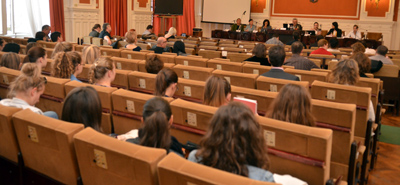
<point x="26" y="89"/>
<point x="36" y="55"/>
<point x="61" y="47"/>
<point x="102" y="72"/>
<point x="166" y="83"/>
<point x="157" y="118"/>
<point x="67" y="65"/>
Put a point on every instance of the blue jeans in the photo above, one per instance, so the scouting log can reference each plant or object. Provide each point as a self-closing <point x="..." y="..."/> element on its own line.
<point x="51" y="114"/>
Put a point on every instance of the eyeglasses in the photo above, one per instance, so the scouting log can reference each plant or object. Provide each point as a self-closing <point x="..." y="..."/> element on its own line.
<point x="44" y="80"/>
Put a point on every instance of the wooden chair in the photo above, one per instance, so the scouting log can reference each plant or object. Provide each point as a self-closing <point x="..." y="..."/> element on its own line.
<point x="134" y="55"/>
<point x="309" y="76"/>
<point x="54" y="94"/>
<point x="144" y="46"/>
<point x="238" y="57"/>
<point x="47" y="145"/>
<point x="202" y="43"/>
<point x="208" y="47"/>
<point x="102" y="159"/>
<point x="193" y="72"/>
<point x="142" y="66"/>
<point x="190" y="90"/>
<point x="258" y="69"/>
<point x="87" y="40"/>
<point x="237" y="78"/>
<point x="142" y="82"/>
<point x="225" y="65"/>
<point x="9" y="148"/>
<point x="49" y="52"/>
<point x="49" y="45"/>
<point x="226" y="42"/>
<point x="166" y="58"/>
<point x="374" y="36"/>
<point x="325" y="59"/>
<point x="126" y="64"/>
<point x="191" y="61"/>
<point x="97" y="41"/>
<point x="174" y="169"/>
<point x="388" y="71"/>
<point x="209" y="54"/>
<point x="228" y="45"/>
<point x="191" y="120"/>
<point x="121" y="79"/>
<point x="110" y="52"/>
<point x="6" y="77"/>
<point x="263" y="98"/>
<point x="275" y="84"/>
<point x="194" y="42"/>
<point x="106" y="103"/>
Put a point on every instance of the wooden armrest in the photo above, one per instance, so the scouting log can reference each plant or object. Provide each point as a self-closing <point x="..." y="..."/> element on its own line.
<point x="383" y="111"/>
<point x="374" y="126"/>
<point x="361" y="149"/>
<point x="341" y="183"/>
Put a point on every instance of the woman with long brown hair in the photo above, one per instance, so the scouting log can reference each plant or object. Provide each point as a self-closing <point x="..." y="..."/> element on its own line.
<point x="157" y="118"/>
<point x="67" y="65"/>
<point x="217" y="91"/>
<point x="234" y="142"/>
<point x="166" y="83"/>
<point x="102" y="72"/>
<point x="11" y="60"/>
<point x="364" y="63"/>
<point x="293" y="104"/>
<point x="36" y="55"/>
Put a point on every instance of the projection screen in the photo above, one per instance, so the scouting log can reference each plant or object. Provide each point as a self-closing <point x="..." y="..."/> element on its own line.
<point x="226" y="11"/>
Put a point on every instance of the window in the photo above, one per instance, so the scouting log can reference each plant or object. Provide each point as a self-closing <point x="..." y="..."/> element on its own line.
<point x="23" y="18"/>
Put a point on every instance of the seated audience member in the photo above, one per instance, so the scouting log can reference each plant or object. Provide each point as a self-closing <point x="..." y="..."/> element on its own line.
<point x="266" y="26"/>
<point x="161" y="45"/>
<point x="333" y="43"/>
<point x="2" y="44"/>
<point x="322" y="50"/>
<point x="56" y="37"/>
<point x="381" y="52"/>
<point x="61" y="47"/>
<point x="102" y="72"/>
<point x="26" y="89"/>
<point x="90" y="54"/>
<point x="347" y="73"/>
<point x="11" y="47"/>
<point x="355" y="34"/>
<point x="298" y="61"/>
<point x="40" y="36"/>
<point x="148" y="33"/>
<point x="82" y="105"/>
<point x="250" y="27"/>
<point x="217" y="91"/>
<point x="67" y="65"/>
<point x="277" y="56"/>
<point x="296" y="38"/>
<point x="234" y="142"/>
<point x="130" y="38"/>
<point x="295" y="25"/>
<point x="318" y="38"/>
<point x="179" y="48"/>
<point x="171" y="33"/>
<point x="95" y="31"/>
<point x="275" y="40"/>
<point x="335" y="31"/>
<point x="154" y="65"/>
<point x="105" y="34"/>
<point x="368" y="50"/>
<point x="358" y="47"/>
<point x="37" y="55"/>
<point x="166" y="83"/>
<point x="259" y="55"/>
<point x="157" y="118"/>
<point x="11" y="60"/>
<point x="364" y="63"/>
<point x="31" y="45"/>
<point x="237" y="26"/>
<point x="293" y="104"/>
<point x="46" y="30"/>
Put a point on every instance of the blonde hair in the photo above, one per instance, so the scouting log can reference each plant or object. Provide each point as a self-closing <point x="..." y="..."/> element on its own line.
<point x="346" y="73"/>
<point x="29" y="78"/>
<point x="216" y="90"/>
<point x="100" y="68"/>
<point x="61" y="47"/>
<point x="171" y="31"/>
<point x="90" y="54"/>
<point x="10" y="60"/>
<point x="65" y="64"/>
<point x="130" y="37"/>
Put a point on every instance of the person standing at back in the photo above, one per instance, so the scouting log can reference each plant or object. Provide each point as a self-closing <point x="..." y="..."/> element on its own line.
<point x="95" y="31"/>
<point x="277" y="57"/>
<point x="105" y="34"/>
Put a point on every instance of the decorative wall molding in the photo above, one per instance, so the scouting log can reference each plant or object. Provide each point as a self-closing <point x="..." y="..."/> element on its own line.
<point x="140" y="17"/>
<point x="388" y="15"/>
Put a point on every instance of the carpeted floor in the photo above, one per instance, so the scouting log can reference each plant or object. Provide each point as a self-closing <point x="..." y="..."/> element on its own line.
<point x="390" y="134"/>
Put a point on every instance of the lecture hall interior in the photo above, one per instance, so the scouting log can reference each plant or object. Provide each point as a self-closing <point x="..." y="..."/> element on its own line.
<point x="199" y="92"/>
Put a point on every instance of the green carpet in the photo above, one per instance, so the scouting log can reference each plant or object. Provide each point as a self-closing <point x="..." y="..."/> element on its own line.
<point x="390" y="134"/>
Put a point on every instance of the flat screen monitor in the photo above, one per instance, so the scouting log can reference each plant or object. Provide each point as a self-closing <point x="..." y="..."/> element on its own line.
<point x="168" y="7"/>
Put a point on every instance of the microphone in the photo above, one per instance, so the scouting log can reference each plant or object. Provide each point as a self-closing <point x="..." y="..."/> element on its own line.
<point x="244" y="13"/>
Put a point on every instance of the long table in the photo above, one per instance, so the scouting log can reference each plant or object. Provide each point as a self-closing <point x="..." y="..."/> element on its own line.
<point x="286" y="36"/>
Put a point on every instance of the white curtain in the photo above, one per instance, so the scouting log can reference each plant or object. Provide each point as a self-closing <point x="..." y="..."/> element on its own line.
<point x="38" y="14"/>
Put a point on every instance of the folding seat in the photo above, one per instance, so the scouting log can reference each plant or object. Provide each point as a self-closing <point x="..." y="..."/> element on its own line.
<point x="174" y="169"/>
<point x="228" y="49"/>
<point x="306" y="52"/>
<point x="340" y="118"/>
<point x="388" y="71"/>
<point x="276" y="84"/>
<point x="121" y="79"/>
<point x="6" y="77"/>
<point x="87" y="40"/>
<point x="332" y="65"/>
<point x="202" y="43"/>
<point x="22" y="49"/>
<point x="300" y="151"/>
<point x="193" y="38"/>
<point x="325" y="58"/>
<point x="142" y="66"/>
<point x="190" y="90"/>
<point x="255" y="68"/>
<point x="128" y="108"/>
<point x="54" y="94"/>
<point x="374" y="84"/>
<point x="194" y="42"/>
<point x="339" y="55"/>
<point x="49" y="45"/>
<point x="134" y="55"/>
<point x="49" y="67"/>
<point x="166" y="58"/>
<point x="80" y="47"/>
<point x="144" y="46"/>
<point x="97" y="41"/>
<point x="170" y="44"/>
<point x="84" y="76"/>
<point x="347" y="50"/>
<point x="316" y="61"/>
<point x="49" y="52"/>
<point x="47" y="145"/>
<point x="191" y="61"/>
<point x="309" y="76"/>
<point x="191" y="120"/>
<point x="238" y="57"/>
<point x="142" y="82"/>
<point x="105" y="160"/>
<point x="209" y="54"/>
<point x="169" y="53"/>
<point x="225" y="65"/>
<point x="126" y="64"/>
<point x="226" y="42"/>
<point x="208" y="47"/>
<point x="269" y="45"/>
<point x="238" y="79"/>
<point x="192" y="72"/>
<point x="174" y="40"/>
<point x="228" y="45"/>
<point x="190" y="51"/>
<point x="110" y="52"/>
<point x="106" y="103"/>
<point x="22" y="56"/>
<point x="263" y="98"/>
<point x="208" y="40"/>
<point x="20" y="41"/>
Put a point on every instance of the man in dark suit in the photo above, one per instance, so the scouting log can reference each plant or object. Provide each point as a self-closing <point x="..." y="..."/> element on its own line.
<point x="277" y="56"/>
<point x="161" y="45"/>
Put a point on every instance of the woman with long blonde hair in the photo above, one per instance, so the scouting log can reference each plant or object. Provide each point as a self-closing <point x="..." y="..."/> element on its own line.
<point x="61" y="47"/>
<point x="90" y="54"/>
<point x="67" y="65"/>
<point x="102" y="72"/>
